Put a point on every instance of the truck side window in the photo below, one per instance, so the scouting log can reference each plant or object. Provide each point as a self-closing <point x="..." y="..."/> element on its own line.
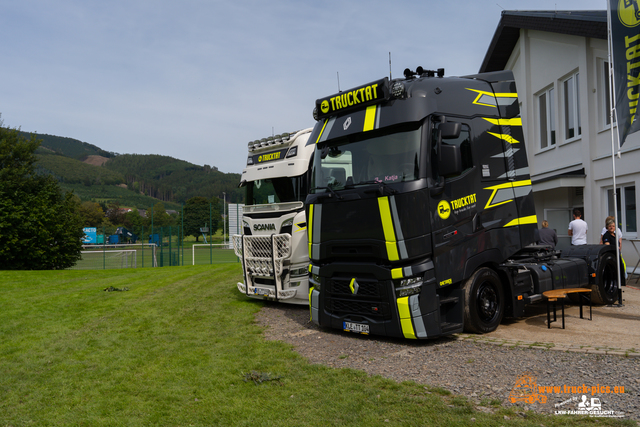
<point x="464" y="142"/>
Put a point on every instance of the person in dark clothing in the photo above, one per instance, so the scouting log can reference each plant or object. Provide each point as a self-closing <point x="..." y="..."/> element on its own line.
<point x="609" y="238"/>
<point x="548" y="235"/>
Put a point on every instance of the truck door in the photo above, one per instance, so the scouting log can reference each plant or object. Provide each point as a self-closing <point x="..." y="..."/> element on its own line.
<point x="455" y="209"/>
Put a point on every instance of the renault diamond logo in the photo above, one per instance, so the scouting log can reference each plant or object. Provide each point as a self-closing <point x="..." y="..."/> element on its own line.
<point x="354" y="286"/>
<point x="347" y="123"/>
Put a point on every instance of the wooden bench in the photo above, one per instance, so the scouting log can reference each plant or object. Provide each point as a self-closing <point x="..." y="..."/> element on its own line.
<point x="560" y="294"/>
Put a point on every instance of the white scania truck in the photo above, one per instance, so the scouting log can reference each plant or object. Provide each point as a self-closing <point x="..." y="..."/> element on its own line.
<point x="273" y="246"/>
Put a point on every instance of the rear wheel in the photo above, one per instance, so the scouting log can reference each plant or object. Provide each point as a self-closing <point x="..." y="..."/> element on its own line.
<point x="484" y="302"/>
<point x="606" y="290"/>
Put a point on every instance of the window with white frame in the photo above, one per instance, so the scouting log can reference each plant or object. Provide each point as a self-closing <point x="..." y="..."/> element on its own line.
<point x="546" y="115"/>
<point x="604" y="100"/>
<point x="626" y="199"/>
<point x="571" y="93"/>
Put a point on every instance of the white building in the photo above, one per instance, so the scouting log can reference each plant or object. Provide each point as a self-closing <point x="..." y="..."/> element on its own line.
<point x="560" y="63"/>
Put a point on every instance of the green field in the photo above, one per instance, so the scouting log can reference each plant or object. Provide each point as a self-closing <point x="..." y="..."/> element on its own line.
<point x="180" y="347"/>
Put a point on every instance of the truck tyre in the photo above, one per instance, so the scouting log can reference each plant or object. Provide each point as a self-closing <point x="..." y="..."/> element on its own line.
<point x="606" y="290"/>
<point x="484" y="302"/>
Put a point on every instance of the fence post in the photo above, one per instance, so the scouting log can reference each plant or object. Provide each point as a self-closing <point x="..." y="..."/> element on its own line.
<point x="104" y="248"/>
<point x="182" y="231"/>
<point x="152" y="236"/>
<point x="210" y="237"/>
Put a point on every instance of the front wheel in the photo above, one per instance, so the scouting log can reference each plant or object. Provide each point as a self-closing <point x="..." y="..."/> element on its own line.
<point x="484" y="302"/>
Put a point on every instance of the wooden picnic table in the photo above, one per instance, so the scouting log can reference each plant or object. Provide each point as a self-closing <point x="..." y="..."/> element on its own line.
<point x="560" y="294"/>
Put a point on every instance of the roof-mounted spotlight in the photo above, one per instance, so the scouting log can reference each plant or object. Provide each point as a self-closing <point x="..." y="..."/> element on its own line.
<point x="397" y="89"/>
<point x="440" y="72"/>
<point x="419" y="71"/>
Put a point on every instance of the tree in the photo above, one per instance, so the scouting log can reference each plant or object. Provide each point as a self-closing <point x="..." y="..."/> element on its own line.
<point x="92" y="214"/>
<point x="196" y="215"/>
<point x="40" y="226"/>
<point x="115" y="215"/>
<point x="133" y="220"/>
<point x="160" y="217"/>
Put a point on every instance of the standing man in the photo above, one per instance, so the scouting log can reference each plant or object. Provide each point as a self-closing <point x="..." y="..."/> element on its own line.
<point x="578" y="229"/>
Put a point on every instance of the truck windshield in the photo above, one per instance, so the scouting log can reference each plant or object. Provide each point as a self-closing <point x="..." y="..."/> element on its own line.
<point x="388" y="158"/>
<point x="277" y="190"/>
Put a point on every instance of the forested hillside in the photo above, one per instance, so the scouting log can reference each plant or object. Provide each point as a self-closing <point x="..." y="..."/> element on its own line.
<point x="170" y="179"/>
<point x="147" y="177"/>
<point x="71" y="171"/>
<point x="69" y="147"/>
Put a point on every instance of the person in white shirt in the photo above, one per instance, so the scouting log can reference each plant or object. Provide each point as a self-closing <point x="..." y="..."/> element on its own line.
<point x="578" y="229"/>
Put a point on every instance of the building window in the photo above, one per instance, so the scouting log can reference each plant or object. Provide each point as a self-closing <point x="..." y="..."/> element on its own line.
<point x="626" y="198"/>
<point x="546" y="105"/>
<point x="572" y="128"/>
<point x="605" y="100"/>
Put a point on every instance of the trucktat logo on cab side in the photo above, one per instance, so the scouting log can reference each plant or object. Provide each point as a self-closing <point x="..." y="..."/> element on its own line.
<point x="444" y="209"/>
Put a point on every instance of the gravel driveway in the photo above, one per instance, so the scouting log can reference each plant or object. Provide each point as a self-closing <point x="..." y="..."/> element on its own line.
<point x="579" y="360"/>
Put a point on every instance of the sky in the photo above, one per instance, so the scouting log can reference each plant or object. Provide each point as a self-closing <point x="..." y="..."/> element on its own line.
<point x="198" y="79"/>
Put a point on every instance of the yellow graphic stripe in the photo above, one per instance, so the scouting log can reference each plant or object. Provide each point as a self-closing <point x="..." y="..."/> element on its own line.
<point x="493" y="96"/>
<point x="309" y="228"/>
<point x="508" y="138"/>
<point x="387" y="227"/>
<point x="322" y="130"/>
<point x="310" y="312"/>
<point x="300" y="228"/>
<point x="396" y="273"/>
<point x="504" y="186"/>
<point x="522" y="221"/>
<point x="369" y="118"/>
<point x="517" y="121"/>
<point x="405" y="318"/>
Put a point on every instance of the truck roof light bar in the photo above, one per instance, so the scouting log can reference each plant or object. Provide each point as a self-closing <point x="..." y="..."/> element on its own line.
<point x="270" y="141"/>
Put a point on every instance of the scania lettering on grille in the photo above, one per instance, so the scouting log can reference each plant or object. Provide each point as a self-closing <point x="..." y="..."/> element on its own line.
<point x="264" y="227"/>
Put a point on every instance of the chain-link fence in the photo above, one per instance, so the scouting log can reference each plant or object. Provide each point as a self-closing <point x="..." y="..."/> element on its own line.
<point x="110" y="247"/>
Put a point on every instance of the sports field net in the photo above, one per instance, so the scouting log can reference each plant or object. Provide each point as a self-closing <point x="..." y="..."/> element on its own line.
<point x="107" y="259"/>
<point x="211" y="254"/>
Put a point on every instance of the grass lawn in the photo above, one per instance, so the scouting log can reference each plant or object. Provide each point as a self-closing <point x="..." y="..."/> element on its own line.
<point x="180" y="348"/>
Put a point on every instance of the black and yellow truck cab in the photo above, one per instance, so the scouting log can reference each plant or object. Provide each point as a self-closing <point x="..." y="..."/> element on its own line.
<point x="421" y="219"/>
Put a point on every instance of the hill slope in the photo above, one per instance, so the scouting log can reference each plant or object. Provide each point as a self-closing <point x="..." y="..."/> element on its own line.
<point x="159" y="177"/>
<point x="69" y="147"/>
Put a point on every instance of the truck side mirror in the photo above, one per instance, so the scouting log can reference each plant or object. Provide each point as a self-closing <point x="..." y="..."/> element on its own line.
<point x="450" y="161"/>
<point x="450" y="130"/>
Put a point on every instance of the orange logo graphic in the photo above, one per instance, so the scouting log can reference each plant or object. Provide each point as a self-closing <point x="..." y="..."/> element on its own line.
<point x="526" y="390"/>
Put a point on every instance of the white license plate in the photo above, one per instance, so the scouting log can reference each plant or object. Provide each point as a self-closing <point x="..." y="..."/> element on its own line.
<point x="261" y="291"/>
<point x="359" y="328"/>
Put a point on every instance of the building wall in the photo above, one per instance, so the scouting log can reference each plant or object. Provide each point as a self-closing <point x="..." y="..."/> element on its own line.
<point x="543" y="61"/>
